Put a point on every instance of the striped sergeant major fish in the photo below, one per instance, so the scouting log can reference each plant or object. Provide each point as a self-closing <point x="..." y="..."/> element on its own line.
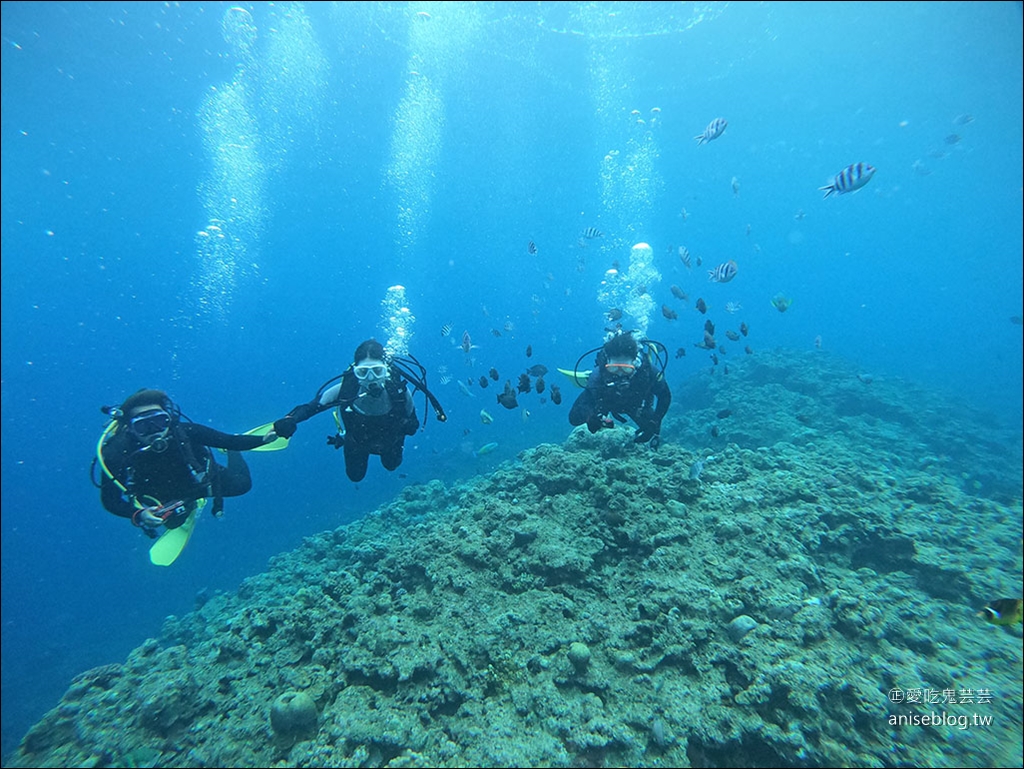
<point x="592" y="232"/>
<point x="724" y="272"/>
<point x="850" y="179"/>
<point x="713" y="131"/>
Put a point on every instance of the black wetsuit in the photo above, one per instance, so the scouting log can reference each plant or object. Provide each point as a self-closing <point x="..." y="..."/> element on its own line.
<point x="367" y="432"/>
<point x="633" y="397"/>
<point x="185" y="470"/>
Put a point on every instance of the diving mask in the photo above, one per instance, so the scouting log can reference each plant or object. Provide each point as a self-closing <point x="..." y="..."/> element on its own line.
<point x="620" y="370"/>
<point x="150" y="425"/>
<point x="370" y="372"/>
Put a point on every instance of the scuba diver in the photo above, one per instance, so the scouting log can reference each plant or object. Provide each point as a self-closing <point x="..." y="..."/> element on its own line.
<point x="625" y="381"/>
<point x="155" y="467"/>
<point x="375" y="409"/>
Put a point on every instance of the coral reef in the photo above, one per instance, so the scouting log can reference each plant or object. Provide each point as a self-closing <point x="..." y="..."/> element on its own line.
<point x="591" y="604"/>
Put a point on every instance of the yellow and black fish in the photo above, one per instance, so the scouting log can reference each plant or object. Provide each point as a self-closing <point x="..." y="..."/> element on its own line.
<point x="1003" y="611"/>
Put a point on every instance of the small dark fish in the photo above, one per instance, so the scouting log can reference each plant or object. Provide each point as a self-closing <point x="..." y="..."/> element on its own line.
<point x="680" y="352"/>
<point x="744" y="329"/>
<point x="614" y="314"/>
<point x="524" y="383"/>
<point x="724" y="413"/>
<point x="556" y="395"/>
<point x="483" y="381"/>
<point x="529" y="350"/>
<point x="724" y="272"/>
<point x="446" y="329"/>
<point x="781" y="302"/>
<point x="701" y="306"/>
<point x="493" y="373"/>
<point x="725" y="369"/>
<point x="747" y="350"/>
<point x="714" y="431"/>
<point x="592" y="232"/>
<point x="641" y="289"/>
<point x="539" y="385"/>
<point x="714" y="359"/>
<point x="1017" y="320"/>
<point x="531" y="248"/>
<point x="699" y="261"/>
<point x="733" y="336"/>
<point x="709" y="327"/>
<point x="707" y="343"/>
<point x="537" y="370"/>
<point x="508" y="397"/>
<point x="963" y="119"/>
<point x="668" y="312"/>
<point x="678" y="293"/>
<point x="495" y="332"/>
<point x="953" y="139"/>
<point x="721" y="349"/>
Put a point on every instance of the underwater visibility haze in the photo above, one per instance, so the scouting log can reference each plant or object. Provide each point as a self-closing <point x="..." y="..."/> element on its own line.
<point x="814" y="208"/>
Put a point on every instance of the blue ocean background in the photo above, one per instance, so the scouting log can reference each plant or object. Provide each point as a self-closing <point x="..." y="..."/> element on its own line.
<point x="214" y="200"/>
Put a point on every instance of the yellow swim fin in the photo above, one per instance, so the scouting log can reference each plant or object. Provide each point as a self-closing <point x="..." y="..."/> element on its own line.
<point x="579" y="378"/>
<point x="280" y="443"/>
<point x="166" y="550"/>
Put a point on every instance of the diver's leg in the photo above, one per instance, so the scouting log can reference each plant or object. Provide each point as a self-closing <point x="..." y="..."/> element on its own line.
<point x="356" y="459"/>
<point x="391" y="457"/>
<point x="233" y="480"/>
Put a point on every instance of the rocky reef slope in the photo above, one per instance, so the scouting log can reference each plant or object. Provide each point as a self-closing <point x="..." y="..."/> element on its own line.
<point x="602" y="604"/>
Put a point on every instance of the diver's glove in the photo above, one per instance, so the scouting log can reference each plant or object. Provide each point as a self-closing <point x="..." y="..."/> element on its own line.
<point x="336" y="440"/>
<point x="648" y="432"/>
<point x="285" y="427"/>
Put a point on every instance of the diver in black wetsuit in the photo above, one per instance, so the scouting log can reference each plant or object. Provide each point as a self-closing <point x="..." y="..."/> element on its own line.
<point x="151" y="458"/>
<point x="375" y="408"/>
<point x="625" y="382"/>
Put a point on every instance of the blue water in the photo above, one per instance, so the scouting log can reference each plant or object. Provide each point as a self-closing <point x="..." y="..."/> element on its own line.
<point x="347" y="148"/>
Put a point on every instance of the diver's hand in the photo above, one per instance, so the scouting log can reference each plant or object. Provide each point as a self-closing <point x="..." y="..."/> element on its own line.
<point x="147" y="518"/>
<point x="648" y="432"/>
<point x="285" y="427"/>
<point x="270" y="437"/>
<point x="336" y="440"/>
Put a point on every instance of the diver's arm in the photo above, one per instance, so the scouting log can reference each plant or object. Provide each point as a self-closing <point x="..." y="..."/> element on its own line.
<point x="407" y="411"/>
<point x="585" y="410"/>
<point x="341" y="394"/>
<point x="113" y="498"/>
<point x="661" y="391"/>
<point x="218" y="440"/>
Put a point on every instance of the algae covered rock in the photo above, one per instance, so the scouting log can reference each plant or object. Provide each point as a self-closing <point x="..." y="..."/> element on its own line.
<point x="293" y="715"/>
<point x="579" y="655"/>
